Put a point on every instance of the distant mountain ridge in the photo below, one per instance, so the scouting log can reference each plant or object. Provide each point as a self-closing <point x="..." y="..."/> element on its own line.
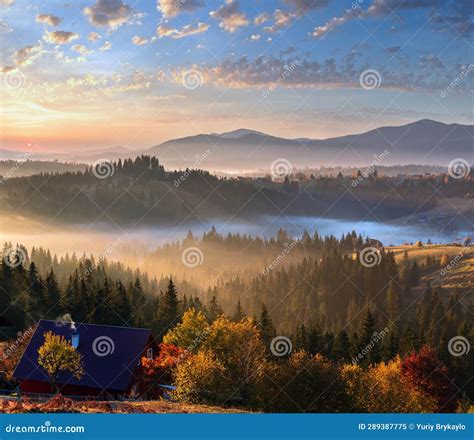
<point x="423" y="142"/>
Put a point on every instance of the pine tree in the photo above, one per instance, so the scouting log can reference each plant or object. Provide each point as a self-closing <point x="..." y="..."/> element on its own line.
<point x="238" y="314"/>
<point x="392" y="302"/>
<point x="35" y="302"/>
<point x="168" y="311"/>
<point x="53" y="295"/>
<point x="342" y="347"/>
<point x="315" y="340"/>
<point x="214" y="310"/>
<point x="367" y="341"/>
<point x="267" y="330"/>
<point x="301" y="340"/>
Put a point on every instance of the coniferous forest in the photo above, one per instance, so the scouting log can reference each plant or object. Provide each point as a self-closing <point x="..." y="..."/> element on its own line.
<point x="342" y="326"/>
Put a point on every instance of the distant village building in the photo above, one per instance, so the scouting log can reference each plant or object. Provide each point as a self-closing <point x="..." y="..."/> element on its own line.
<point x="111" y="360"/>
<point x="375" y="243"/>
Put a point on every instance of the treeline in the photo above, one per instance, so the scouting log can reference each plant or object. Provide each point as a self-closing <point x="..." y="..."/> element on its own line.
<point x="140" y="189"/>
<point x="332" y="307"/>
<point x="222" y="257"/>
<point x="229" y="361"/>
<point x="89" y="291"/>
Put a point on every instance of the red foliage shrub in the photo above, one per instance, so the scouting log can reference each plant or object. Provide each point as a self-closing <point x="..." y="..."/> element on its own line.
<point x="425" y="371"/>
<point x="158" y="370"/>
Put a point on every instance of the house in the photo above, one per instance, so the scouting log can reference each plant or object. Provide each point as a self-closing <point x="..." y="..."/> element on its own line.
<point x="111" y="360"/>
<point x="375" y="243"/>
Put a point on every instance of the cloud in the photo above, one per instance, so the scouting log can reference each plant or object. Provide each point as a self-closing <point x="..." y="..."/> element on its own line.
<point x="4" y="26"/>
<point x="393" y="50"/>
<point x="262" y="18"/>
<point x="80" y="48"/>
<point x="60" y="37"/>
<point x="93" y="36"/>
<point x="303" y="6"/>
<point x="7" y="69"/>
<point x="299" y="72"/>
<point x="281" y="20"/>
<point x="109" y="13"/>
<point x="172" y="8"/>
<point x="138" y="41"/>
<point x="229" y="16"/>
<point x="27" y="55"/>
<point x="165" y="31"/>
<point x="431" y="61"/>
<point x="106" y="46"/>
<point x="48" y="19"/>
<point x="457" y="18"/>
<point x="377" y="8"/>
<point x="6" y="2"/>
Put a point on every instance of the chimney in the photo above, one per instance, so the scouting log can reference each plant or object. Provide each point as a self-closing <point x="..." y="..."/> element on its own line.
<point x="75" y="338"/>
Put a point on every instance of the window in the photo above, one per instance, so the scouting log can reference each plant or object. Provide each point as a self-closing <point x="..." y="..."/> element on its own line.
<point x="149" y="353"/>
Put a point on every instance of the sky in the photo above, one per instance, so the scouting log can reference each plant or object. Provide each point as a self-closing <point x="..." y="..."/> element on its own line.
<point x="93" y="74"/>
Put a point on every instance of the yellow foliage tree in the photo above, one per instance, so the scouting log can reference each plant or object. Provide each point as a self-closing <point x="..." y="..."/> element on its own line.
<point x="382" y="388"/>
<point x="58" y="356"/>
<point x="236" y="347"/>
<point x="190" y="332"/>
<point x="201" y="378"/>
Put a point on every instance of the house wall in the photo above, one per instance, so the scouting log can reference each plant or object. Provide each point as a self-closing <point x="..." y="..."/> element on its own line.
<point x="38" y="387"/>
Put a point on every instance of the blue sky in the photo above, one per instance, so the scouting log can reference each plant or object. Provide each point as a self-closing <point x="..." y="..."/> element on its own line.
<point x="83" y="74"/>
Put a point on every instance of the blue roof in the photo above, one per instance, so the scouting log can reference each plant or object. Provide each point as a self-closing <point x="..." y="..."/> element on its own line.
<point x="110" y="354"/>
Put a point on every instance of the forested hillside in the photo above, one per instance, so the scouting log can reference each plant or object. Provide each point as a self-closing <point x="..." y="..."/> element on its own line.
<point x="141" y="192"/>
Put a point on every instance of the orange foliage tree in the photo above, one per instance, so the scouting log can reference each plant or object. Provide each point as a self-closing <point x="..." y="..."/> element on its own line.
<point x="158" y="370"/>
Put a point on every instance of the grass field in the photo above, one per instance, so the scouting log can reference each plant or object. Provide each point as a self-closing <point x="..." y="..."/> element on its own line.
<point x="60" y="404"/>
<point x="457" y="270"/>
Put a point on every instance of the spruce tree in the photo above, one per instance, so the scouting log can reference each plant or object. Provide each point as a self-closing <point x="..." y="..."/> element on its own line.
<point x="168" y="311"/>
<point x="238" y="314"/>
<point x="342" y="347"/>
<point x="265" y="324"/>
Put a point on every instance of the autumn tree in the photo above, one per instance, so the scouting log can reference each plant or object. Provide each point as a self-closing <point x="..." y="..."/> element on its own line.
<point x="158" y="370"/>
<point x="57" y="356"/>
<point x="188" y="334"/>
<point x="424" y="370"/>
<point x="382" y="388"/>
<point x="303" y="383"/>
<point x="201" y="378"/>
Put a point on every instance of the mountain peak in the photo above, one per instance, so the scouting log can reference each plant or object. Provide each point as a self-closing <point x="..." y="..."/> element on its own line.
<point x="235" y="134"/>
